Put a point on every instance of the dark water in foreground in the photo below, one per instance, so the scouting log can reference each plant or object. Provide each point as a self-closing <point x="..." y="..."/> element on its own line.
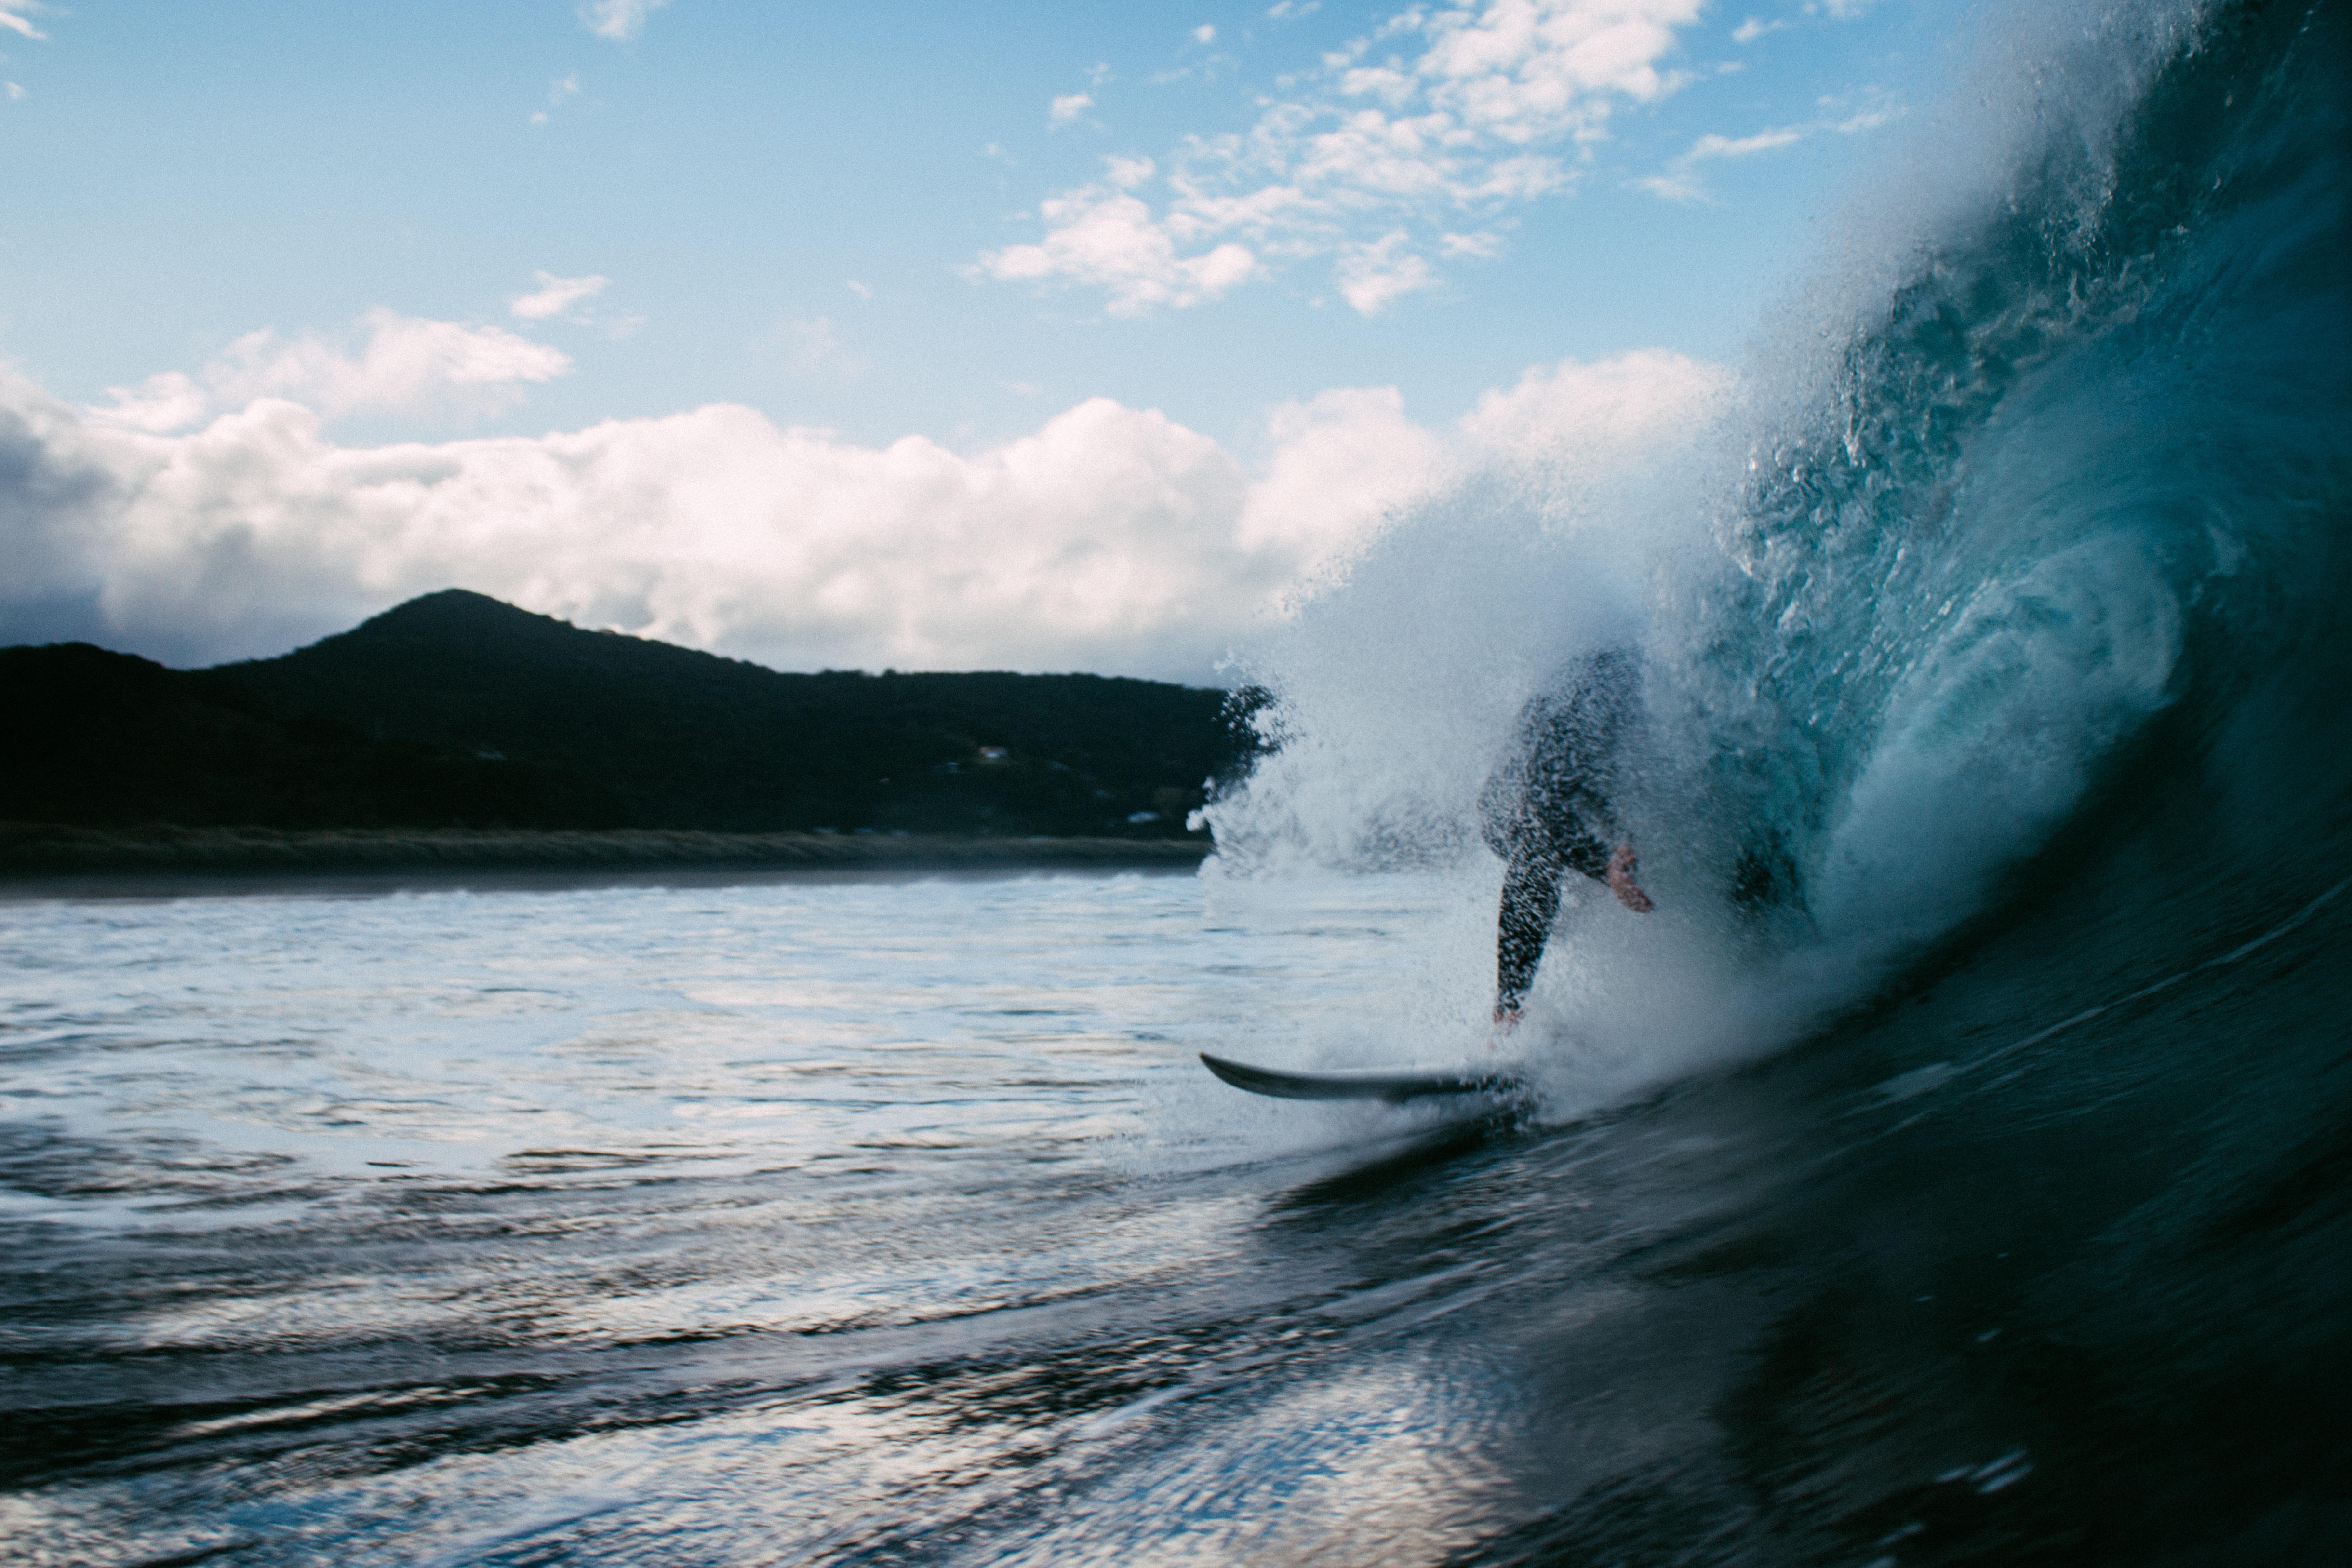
<point x="892" y="1223"/>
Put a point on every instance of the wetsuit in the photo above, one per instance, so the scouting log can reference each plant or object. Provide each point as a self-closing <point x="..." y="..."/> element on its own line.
<point x="1545" y="809"/>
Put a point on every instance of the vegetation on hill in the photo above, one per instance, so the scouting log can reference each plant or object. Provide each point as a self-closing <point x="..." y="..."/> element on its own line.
<point x="457" y="709"/>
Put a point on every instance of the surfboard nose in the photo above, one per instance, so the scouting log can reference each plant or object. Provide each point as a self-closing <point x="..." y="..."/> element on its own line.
<point x="1392" y="1084"/>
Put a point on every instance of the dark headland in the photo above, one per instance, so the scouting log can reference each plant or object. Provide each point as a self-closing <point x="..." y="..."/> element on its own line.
<point x="456" y="732"/>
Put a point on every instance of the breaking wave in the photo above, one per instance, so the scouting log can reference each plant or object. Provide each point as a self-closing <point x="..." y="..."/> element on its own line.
<point x="2020" y="535"/>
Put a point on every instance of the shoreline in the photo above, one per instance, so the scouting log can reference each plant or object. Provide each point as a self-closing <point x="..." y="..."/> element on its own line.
<point x="42" y="860"/>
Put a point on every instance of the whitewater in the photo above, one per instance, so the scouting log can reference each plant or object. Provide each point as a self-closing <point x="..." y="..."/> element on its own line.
<point x="1956" y="1168"/>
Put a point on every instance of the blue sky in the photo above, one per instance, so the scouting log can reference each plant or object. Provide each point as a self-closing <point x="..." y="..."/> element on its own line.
<point x="460" y="224"/>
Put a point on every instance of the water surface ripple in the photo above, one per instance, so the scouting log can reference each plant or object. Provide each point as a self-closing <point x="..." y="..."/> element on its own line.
<point x="894" y="1222"/>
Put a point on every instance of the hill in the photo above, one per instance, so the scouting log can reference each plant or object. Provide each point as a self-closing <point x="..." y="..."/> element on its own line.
<point x="458" y="709"/>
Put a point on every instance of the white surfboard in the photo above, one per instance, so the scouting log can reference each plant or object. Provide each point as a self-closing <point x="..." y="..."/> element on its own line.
<point x="1394" y="1085"/>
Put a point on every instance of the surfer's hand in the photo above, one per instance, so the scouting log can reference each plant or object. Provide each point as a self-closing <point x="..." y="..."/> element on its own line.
<point x="1621" y="882"/>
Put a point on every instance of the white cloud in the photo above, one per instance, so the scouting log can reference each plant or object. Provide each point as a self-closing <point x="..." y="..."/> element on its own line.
<point x="1373" y="277"/>
<point x="1099" y="235"/>
<point x="554" y="296"/>
<point x="1755" y="27"/>
<point x="1068" y="107"/>
<point x="1590" y="409"/>
<point x="1530" y="71"/>
<point x="1104" y="541"/>
<point x="1342" y="461"/>
<point x="1680" y="180"/>
<point x="406" y="365"/>
<point x="860" y="290"/>
<point x="15" y="17"/>
<point x="170" y="400"/>
<point x="1713" y="146"/>
<point x="619" y="20"/>
<point x="1110" y="538"/>
<point x="1291" y="10"/>
<point x="1128" y="172"/>
<point x="1206" y="33"/>
<point x="1381" y="143"/>
<point x="1865" y="120"/>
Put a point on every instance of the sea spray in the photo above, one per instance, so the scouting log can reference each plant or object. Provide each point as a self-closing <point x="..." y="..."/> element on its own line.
<point x="2037" y="457"/>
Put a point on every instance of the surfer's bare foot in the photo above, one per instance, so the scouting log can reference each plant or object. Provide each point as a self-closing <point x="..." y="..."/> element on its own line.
<point x="1621" y="880"/>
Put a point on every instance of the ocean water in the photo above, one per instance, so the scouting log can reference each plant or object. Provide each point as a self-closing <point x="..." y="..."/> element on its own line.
<point x="894" y="1221"/>
<point x="1956" y="1168"/>
<point x="759" y="1223"/>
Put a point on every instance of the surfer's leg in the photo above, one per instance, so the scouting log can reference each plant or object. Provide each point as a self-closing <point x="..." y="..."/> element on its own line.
<point x="1531" y="903"/>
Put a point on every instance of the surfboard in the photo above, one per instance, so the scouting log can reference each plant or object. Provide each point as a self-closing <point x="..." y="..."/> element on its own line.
<point x="1394" y="1085"/>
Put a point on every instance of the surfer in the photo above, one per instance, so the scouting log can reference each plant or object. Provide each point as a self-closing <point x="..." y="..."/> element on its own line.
<point x="1546" y="811"/>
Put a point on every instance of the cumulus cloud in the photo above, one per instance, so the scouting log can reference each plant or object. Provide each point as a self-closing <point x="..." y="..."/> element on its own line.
<point x="619" y="20"/>
<point x="1437" y="114"/>
<point x="1102" y="236"/>
<point x="554" y="296"/>
<point x="1370" y="275"/>
<point x="1340" y="461"/>
<point x="1103" y="541"/>
<point x="1110" y="538"/>
<point x="406" y="364"/>
<point x="1575" y="413"/>
<point x="1070" y="106"/>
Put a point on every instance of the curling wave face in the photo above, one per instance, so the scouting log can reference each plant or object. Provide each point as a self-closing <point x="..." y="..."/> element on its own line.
<point x="1994" y="549"/>
<point x="2091" y="466"/>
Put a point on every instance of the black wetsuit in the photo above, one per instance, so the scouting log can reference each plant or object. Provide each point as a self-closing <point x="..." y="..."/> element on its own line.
<point x="1546" y="810"/>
